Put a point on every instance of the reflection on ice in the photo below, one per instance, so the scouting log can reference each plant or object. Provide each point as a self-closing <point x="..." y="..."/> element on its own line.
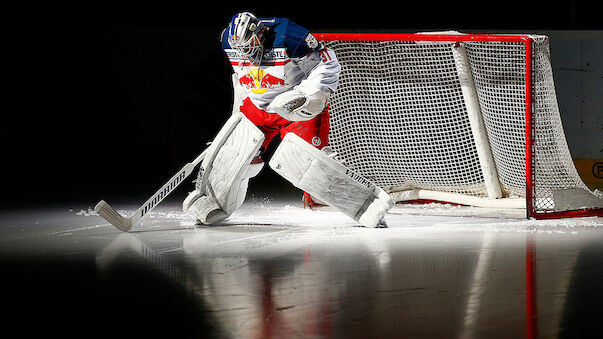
<point x="283" y="271"/>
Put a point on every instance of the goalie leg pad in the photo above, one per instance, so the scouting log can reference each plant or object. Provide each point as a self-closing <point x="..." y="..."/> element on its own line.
<point x="315" y="172"/>
<point x="225" y="171"/>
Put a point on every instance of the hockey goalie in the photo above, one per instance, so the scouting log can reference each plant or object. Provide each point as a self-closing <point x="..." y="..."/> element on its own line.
<point x="282" y="79"/>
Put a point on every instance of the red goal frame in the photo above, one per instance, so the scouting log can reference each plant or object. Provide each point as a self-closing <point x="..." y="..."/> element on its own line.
<point x="529" y="100"/>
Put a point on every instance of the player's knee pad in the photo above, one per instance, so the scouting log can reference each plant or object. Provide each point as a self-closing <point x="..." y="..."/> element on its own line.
<point x="225" y="172"/>
<point x="317" y="173"/>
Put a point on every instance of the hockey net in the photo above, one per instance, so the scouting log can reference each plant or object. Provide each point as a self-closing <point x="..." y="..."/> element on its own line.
<point x="468" y="119"/>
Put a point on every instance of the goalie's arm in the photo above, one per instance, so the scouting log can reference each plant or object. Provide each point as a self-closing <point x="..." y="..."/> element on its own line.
<point x="308" y="99"/>
<point x="322" y="70"/>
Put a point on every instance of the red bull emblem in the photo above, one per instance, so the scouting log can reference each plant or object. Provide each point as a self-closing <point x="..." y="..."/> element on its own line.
<point x="259" y="81"/>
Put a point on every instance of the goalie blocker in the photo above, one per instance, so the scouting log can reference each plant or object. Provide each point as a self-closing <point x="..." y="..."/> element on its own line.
<point x="317" y="173"/>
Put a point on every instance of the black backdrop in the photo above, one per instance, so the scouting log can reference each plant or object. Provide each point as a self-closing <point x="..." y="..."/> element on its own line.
<point x="108" y="100"/>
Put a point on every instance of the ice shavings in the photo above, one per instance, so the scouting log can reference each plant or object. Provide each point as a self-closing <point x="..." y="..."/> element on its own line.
<point x="85" y="213"/>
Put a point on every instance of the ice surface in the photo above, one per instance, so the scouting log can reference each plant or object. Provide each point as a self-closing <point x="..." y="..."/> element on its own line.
<point x="275" y="269"/>
<point x="433" y="217"/>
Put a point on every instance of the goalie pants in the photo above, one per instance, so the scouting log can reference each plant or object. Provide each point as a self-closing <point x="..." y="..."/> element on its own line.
<point x="314" y="131"/>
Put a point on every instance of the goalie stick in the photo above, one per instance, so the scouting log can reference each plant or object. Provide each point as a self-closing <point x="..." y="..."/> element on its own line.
<point x="125" y="224"/>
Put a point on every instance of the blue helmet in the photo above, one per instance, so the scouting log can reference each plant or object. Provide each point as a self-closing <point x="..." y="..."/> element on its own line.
<point x="245" y="34"/>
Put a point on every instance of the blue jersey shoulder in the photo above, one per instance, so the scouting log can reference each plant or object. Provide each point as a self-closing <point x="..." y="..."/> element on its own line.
<point x="283" y="33"/>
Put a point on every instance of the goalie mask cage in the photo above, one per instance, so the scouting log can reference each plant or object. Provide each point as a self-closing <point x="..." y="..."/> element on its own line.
<point x="462" y="118"/>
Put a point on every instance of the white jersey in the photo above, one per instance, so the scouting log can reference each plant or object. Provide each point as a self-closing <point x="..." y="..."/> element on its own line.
<point x="291" y="56"/>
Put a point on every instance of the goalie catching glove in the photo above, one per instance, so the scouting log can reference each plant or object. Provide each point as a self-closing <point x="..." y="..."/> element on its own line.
<point x="299" y="104"/>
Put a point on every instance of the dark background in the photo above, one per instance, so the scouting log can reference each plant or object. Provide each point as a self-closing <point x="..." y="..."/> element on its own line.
<point x="107" y="101"/>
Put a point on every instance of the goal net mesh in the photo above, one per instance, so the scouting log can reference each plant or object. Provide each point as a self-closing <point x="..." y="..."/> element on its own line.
<point x="398" y="117"/>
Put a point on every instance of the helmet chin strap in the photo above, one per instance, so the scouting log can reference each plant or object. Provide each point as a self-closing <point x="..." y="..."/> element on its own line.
<point x="254" y="58"/>
<point x="257" y="58"/>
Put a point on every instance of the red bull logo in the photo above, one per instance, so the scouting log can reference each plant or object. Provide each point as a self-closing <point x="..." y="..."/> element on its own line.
<point x="259" y="81"/>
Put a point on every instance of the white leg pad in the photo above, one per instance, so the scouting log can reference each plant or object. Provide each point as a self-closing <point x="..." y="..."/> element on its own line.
<point x="315" y="172"/>
<point x="226" y="170"/>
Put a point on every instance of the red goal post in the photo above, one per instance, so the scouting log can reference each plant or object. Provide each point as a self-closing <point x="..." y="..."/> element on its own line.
<point x="534" y="82"/>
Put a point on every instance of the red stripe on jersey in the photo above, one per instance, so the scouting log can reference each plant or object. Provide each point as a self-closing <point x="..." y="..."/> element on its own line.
<point x="247" y="63"/>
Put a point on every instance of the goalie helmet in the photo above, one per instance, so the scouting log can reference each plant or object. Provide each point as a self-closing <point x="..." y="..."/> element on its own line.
<point x="245" y="35"/>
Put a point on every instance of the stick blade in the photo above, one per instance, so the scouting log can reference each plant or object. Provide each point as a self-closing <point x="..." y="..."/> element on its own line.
<point x="110" y="214"/>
